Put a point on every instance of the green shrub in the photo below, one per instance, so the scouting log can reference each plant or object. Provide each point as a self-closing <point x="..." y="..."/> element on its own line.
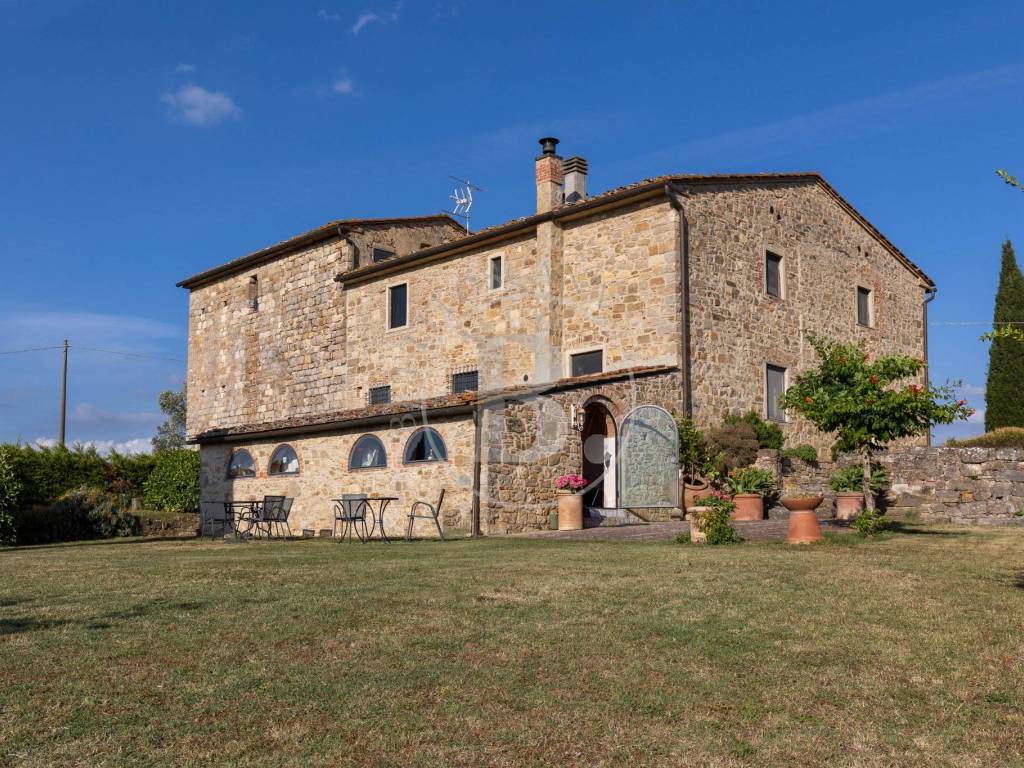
<point x="173" y="485"/>
<point x="804" y="452"/>
<point x="684" y="538"/>
<point x="10" y="489"/>
<point x="850" y="479"/>
<point x="1005" y="437"/>
<point x="82" y="513"/>
<point x="128" y="474"/>
<point x="694" y="454"/>
<point x="45" y="474"/>
<point x="870" y="522"/>
<point x="751" y="480"/>
<point x="769" y="435"/>
<point x="732" y="446"/>
<point x="714" y="521"/>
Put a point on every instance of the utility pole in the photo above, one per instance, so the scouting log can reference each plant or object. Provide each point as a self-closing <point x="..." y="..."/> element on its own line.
<point x="63" y="393"/>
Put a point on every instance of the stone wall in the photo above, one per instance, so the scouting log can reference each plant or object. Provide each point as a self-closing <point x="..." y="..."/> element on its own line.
<point x="962" y="485"/>
<point x="284" y="358"/>
<point x="324" y="475"/>
<point x="528" y="443"/>
<point x="737" y="328"/>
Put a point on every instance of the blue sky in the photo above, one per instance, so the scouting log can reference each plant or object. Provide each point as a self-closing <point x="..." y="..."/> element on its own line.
<point x="142" y="142"/>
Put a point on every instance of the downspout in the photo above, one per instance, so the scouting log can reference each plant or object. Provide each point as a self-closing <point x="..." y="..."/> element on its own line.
<point x="683" y="250"/>
<point x="478" y="418"/>
<point x="929" y="296"/>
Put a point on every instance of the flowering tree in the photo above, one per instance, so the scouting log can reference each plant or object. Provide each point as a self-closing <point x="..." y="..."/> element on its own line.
<point x="866" y="404"/>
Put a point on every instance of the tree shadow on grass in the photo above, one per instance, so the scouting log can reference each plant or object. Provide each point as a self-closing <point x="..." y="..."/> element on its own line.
<point x="14" y="626"/>
<point x="1018" y="580"/>
<point x="103" y="542"/>
<point x="911" y="529"/>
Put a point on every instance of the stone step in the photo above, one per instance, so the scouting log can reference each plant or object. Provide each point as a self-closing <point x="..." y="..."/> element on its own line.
<point x="594" y="517"/>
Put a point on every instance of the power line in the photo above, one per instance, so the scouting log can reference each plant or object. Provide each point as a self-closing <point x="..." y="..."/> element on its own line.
<point x="93" y="349"/>
<point x="976" y="322"/>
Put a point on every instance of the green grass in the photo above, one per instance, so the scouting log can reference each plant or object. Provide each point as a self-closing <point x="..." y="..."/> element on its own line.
<point x="515" y="652"/>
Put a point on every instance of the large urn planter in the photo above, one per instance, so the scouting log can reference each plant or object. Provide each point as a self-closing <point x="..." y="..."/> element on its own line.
<point x="849" y="504"/>
<point x="570" y="511"/>
<point x="694" y="491"/>
<point x="749" y="506"/>
<point x="804" y="527"/>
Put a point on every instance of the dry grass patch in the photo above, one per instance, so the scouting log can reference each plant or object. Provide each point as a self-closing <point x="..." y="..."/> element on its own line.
<point x="902" y="651"/>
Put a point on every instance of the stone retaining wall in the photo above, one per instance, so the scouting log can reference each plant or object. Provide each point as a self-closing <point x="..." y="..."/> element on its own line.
<point x="961" y="485"/>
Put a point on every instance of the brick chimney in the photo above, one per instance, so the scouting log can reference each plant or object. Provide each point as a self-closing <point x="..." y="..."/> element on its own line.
<point x="575" y="170"/>
<point x="548" y="168"/>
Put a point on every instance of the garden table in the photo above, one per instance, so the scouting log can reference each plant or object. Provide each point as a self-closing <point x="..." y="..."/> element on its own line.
<point x="245" y="511"/>
<point x="375" y="508"/>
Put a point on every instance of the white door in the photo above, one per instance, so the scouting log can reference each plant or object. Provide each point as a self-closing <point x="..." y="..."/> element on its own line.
<point x="609" y="473"/>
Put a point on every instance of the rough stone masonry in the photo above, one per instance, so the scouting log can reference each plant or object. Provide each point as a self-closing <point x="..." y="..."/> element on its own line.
<point x="653" y="294"/>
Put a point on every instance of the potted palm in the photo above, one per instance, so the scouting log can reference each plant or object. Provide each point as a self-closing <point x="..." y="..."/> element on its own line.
<point x="848" y="485"/>
<point x="570" y="502"/>
<point x="748" y="486"/>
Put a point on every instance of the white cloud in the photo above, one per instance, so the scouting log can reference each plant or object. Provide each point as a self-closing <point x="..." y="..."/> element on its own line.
<point x="376" y="17"/>
<point x="195" y="105"/>
<point x="87" y="413"/>
<point x="185" y="69"/>
<point x="978" y="417"/>
<point x="328" y="15"/>
<point x="971" y="389"/>
<point x="343" y="85"/>
<point x="105" y="447"/>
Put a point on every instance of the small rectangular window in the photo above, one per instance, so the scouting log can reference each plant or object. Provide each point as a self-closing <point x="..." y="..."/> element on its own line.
<point x="465" y="381"/>
<point x="379" y="395"/>
<point x="864" y="306"/>
<point x="254" y="293"/>
<point x="775" y="388"/>
<point x="586" y="363"/>
<point x="495" y="273"/>
<point x="379" y="254"/>
<point x="773" y="274"/>
<point x="398" y="314"/>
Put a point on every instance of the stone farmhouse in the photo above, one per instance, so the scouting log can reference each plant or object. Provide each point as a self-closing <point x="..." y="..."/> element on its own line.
<point x="401" y="356"/>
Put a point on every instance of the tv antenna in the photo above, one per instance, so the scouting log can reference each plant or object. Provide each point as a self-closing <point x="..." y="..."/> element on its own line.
<point x="463" y="199"/>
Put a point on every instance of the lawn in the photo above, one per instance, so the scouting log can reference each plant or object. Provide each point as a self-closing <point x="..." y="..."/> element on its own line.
<point x="515" y="652"/>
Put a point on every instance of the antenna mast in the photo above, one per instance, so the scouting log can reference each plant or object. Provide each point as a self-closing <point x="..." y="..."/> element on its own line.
<point x="463" y="199"/>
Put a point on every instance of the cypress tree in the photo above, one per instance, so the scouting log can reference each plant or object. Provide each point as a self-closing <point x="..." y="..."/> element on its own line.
<point x="1004" y="393"/>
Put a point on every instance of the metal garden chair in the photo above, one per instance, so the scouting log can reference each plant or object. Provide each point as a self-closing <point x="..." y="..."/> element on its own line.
<point x="427" y="512"/>
<point x="268" y="513"/>
<point x="350" y="513"/>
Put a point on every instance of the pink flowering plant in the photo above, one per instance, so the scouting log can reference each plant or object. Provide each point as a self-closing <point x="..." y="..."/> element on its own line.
<point x="571" y="483"/>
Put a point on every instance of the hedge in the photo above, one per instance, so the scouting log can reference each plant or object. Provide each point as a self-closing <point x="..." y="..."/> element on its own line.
<point x="82" y="513"/>
<point x="173" y="484"/>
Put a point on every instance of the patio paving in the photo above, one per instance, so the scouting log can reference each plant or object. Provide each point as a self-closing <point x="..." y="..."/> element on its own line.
<point x="755" y="530"/>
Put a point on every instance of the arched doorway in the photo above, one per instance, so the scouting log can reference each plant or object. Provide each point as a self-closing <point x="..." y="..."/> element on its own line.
<point x="599" y="450"/>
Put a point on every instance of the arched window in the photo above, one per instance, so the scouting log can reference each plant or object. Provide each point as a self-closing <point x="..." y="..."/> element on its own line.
<point x="284" y="461"/>
<point x="425" y="445"/>
<point x="241" y="464"/>
<point x="367" y="452"/>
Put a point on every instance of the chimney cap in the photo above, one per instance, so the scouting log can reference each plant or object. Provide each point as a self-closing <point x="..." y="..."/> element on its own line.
<point x="575" y="164"/>
<point x="548" y="144"/>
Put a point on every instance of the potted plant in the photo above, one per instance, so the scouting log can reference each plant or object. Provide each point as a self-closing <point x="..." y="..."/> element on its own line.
<point x="709" y="522"/>
<point x="694" y="462"/>
<point x="748" y="486"/>
<point x="804" y="527"/>
<point x="848" y="484"/>
<point x="570" y="502"/>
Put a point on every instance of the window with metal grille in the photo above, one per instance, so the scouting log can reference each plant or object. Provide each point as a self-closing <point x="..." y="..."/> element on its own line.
<point x="379" y="395"/>
<point x="773" y="274"/>
<point x="775" y="388"/>
<point x="585" y="363"/>
<point x="379" y="254"/>
<point x="864" y="306"/>
<point x="495" y="273"/>
<point x="465" y="381"/>
<point x="398" y="311"/>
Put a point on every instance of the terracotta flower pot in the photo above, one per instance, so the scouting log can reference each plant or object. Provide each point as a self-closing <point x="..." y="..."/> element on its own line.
<point x="804" y="527"/>
<point x="849" y="504"/>
<point x="693" y="492"/>
<point x="570" y="511"/>
<point x="802" y="503"/>
<point x="749" y="506"/>
<point x="697" y="536"/>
